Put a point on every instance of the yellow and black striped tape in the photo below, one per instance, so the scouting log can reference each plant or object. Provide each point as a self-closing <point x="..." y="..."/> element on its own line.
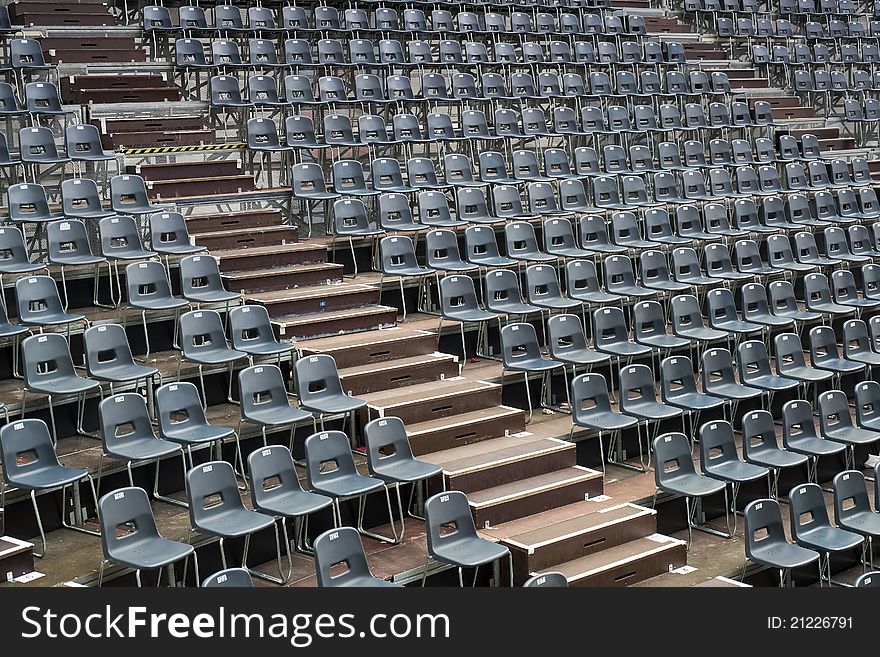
<point x="183" y="149"/>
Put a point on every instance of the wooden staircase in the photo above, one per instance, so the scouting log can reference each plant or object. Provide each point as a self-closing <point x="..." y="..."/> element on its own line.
<point x="518" y="479"/>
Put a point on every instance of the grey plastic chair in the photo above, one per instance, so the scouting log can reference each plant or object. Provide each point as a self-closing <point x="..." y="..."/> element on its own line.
<point x="521" y="353"/>
<point x="458" y="302"/>
<point x="548" y="580"/>
<point x="169" y="236"/>
<point x="344" y="482"/>
<point x="109" y="358"/>
<point x="68" y="245"/>
<point x="203" y="342"/>
<point x="852" y="510"/>
<point x="128" y="195"/>
<point x="251" y="332"/>
<point x="141" y="546"/>
<point x="42" y="472"/>
<point x="799" y="435"/>
<point x="766" y="544"/>
<point x="343" y="547"/>
<point x="149" y="290"/>
<point x="265" y="403"/>
<point x="39" y="304"/>
<point x="678" y="387"/>
<point x="675" y="473"/>
<point x="390" y="458"/>
<point x="200" y="281"/>
<point x="320" y="389"/>
<point x="228" y="518"/>
<point x="181" y="419"/>
<point x="229" y="577"/>
<point x="14" y="253"/>
<point x="397" y="257"/>
<point x="811" y="528"/>
<point x="49" y="370"/>
<point x="120" y="241"/>
<point x="836" y="423"/>
<point x="461" y="548"/>
<point x="591" y="409"/>
<point x="350" y="220"/>
<point x="276" y="491"/>
<point x="761" y="447"/>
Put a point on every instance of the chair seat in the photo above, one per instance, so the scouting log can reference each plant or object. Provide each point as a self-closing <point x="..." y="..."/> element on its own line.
<point x="558" y="303"/>
<point x="695" y="401"/>
<point x="867" y="357"/>
<point x="761" y="271"/>
<point x="829" y="539"/>
<point x="54" y="318"/>
<point x="806" y="373"/>
<point x="198" y="434"/>
<point x="667" y="286"/>
<point x="361" y="232"/>
<point x="534" y="256"/>
<point x="732" y="276"/>
<point x="18" y="267"/>
<point x="771" y="382"/>
<point x="469" y="552"/>
<point x="48" y="476"/>
<point x="150" y="553"/>
<point x="625" y="349"/>
<point x="840" y="365"/>
<point x="142" y="449"/>
<point x="634" y="291"/>
<point x="126" y="372"/>
<point x="571" y="252"/>
<point x="216" y="356"/>
<point x="159" y="303"/>
<point x="804" y="316"/>
<point x="582" y="357"/>
<point x="663" y="341"/>
<point x="406" y="471"/>
<point x="234" y="522"/>
<point x="698" y="280"/>
<point x="334" y="404"/>
<point x="293" y="503"/>
<point x="103" y="157"/>
<point x="701" y="334"/>
<point x="80" y="259"/>
<point x="515" y="308"/>
<point x="268" y="348"/>
<point x="8" y="330"/>
<point x="471" y="315"/>
<point x="598" y="298"/>
<point x="811" y="446"/>
<point x="409" y="271"/>
<point x="832" y="308"/>
<point x="691" y="485"/>
<point x="771" y="320"/>
<point x="733" y="391"/>
<point x="494" y="261"/>
<point x="777" y="458"/>
<point x="651" y="410"/>
<point x="140" y="209"/>
<point x="68" y="385"/>
<point x="604" y="420"/>
<point x="277" y="416"/>
<point x="91" y="214"/>
<point x="178" y="249"/>
<point x="735" y="471"/>
<point x="862" y="522"/>
<point x="536" y="364"/>
<point x="316" y="196"/>
<point x="366" y="581"/>
<point x="861" y="303"/>
<point x="738" y="326"/>
<point x="783" y="555"/>
<point x="213" y="296"/>
<point x="458" y="267"/>
<point x="348" y="486"/>
<point x="853" y="436"/>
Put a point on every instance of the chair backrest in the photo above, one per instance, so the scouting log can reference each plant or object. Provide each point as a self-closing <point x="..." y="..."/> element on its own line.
<point x="672" y="454"/>
<point x="37" y="299"/>
<point x="763" y="519"/>
<point x="27" y="202"/>
<point x="78" y="196"/>
<point x="808" y="510"/>
<point x="519" y="342"/>
<point x="29" y="438"/>
<point x="230" y="577"/>
<point x="13" y="248"/>
<point x="212" y="492"/>
<point x="386" y="443"/>
<point x="123" y="419"/>
<point x="676" y="377"/>
<point x="457" y="293"/>
<point x="335" y="548"/>
<point x="272" y="474"/>
<point x="178" y="408"/>
<point x="201" y="331"/>
<point x="261" y="387"/>
<point x="833" y="411"/>
<point x="249" y="327"/>
<point x="128" y="193"/>
<point x="46" y="357"/>
<point x="328" y="447"/>
<point x="316" y="378"/>
<point x="120" y="237"/>
<point x="127" y="509"/>
<point x="106" y="347"/>
<point x="199" y="274"/>
<point x="444" y="509"/>
<point x="168" y="230"/>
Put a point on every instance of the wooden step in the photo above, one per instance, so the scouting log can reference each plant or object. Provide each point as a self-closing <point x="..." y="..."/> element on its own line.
<point x="626" y="564"/>
<point x="734" y="73"/>
<point x="431" y="437"/>
<point x="318" y="325"/>
<point x="200" y="186"/>
<point x="374" y="347"/>
<point x="261" y="257"/>
<point x="502" y="460"/>
<point x="104" y="42"/>
<point x="239" y="238"/>
<point x="317" y="299"/>
<point x="284" y="277"/>
<point x="776" y="101"/>
<point x="194" y="169"/>
<point x="209" y="223"/>
<point x="106" y="55"/>
<point x="16" y="558"/>
<point x="429" y="401"/>
<point x="570" y="538"/>
<point x="375" y="377"/>
<point x="498" y="504"/>
<point x="145" y="95"/>
<point x="153" y="124"/>
<point x="41" y="18"/>
<point x="157" y="139"/>
<point x="723" y="582"/>
<point x="72" y="87"/>
<point x="828" y="132"/>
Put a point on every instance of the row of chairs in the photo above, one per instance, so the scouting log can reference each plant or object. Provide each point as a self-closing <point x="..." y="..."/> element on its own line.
<point x="417" y="53"/>
<point x="789" y="7"/>
<point x="228" y="19"/>
<point x="766" y="28"/>
<point x="818" y="55"/>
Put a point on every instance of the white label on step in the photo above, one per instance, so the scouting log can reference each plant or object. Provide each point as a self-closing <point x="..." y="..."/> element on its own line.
<point x="29" y="577"/>
<point x="659" y="538"/>
<point x="684" y="570"/>
<point x="600" y="498"/>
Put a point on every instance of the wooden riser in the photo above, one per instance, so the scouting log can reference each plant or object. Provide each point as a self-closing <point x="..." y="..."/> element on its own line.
<point x="62" y="20"/>
<point x="155" y="95"/>
<point x="248" y="238"/>
<point x="819" y="133"/>
<point x="157" y="124"/>
<point x="279" y="256"/>
<point x="84" y="43"/>
<point x="209" y="223"/>
<point x="201" y="187"/>
<point x="375" y="347"/>
<point x="71" y="56"/>
<point x="526" y="497"/>
<point x="398" y="373"/>
<point x="514" y="463"/>
<point x="318" y="299"/>
<point x="323" y="324"/>
<point x="196" y="169"/>
<point x="543" y="549"/>
<point x="465" y="429"/>
<point x="427" y="402"/>
<point x="157" y="139"/>
<point x="16" y="558"/>
<point x="840" y="144"/>
<point x="749" y="83"/>
<point x="283" y="278"/>
<point x="626" y="564"/>
<point x="776" y="102"/>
